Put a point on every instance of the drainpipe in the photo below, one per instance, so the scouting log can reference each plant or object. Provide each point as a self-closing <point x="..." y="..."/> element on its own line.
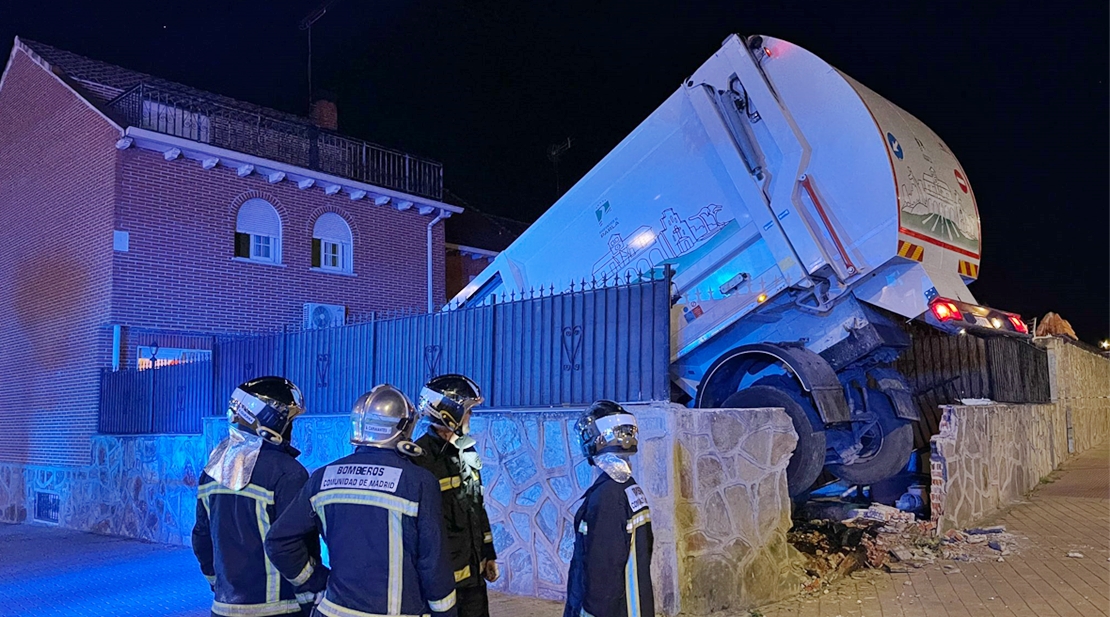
<point x="116" y="345"/>
<point x="431" y="295"/>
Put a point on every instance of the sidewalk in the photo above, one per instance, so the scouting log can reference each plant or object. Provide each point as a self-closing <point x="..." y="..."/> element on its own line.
<point x="51" y="572"/>
<point x="48" y="572"/>
<point x="1070" y="514"/>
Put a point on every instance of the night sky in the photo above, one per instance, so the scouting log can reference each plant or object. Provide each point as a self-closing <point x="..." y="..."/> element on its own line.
<point x="1017" y="90"/>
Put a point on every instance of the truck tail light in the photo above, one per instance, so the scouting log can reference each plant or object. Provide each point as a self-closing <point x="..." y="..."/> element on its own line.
<point x="946" y="311"/>
<point x="1018" y="324"/>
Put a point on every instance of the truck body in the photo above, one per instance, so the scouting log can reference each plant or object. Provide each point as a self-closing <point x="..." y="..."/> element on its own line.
<point x="801" y="216"/>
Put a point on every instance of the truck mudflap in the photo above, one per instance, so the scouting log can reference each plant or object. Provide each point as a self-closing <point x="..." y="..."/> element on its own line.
<point x="814" y="374"/>
<point x="891" y="383"/>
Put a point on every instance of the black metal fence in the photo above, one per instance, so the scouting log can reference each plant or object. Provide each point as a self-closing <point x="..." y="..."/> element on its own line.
<point x="205" y="120"/>
<point x="170" y="399"/>
<point x="943" y="369"/>
<point x="601" y="340"/>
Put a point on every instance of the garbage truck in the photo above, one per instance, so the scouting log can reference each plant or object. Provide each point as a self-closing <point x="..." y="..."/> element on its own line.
<point x="803" y="219"/>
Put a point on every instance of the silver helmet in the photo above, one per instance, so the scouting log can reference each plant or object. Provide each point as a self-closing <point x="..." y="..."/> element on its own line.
<point x="606" y="427"/>
<point x="384" y="418"/>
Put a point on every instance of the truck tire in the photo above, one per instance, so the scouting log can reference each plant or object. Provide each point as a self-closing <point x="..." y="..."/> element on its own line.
<point x="887" y="448"/>
<point x="809" y="456"/>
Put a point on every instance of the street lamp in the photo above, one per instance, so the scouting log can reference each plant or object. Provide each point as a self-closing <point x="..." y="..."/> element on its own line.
<point x="1105" y="344"/>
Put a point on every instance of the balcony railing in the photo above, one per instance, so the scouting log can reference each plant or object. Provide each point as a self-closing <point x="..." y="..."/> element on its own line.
<point x="203" y="120"/>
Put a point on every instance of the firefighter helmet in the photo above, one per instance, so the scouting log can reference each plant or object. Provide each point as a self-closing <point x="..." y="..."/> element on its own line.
<point x="606" y="427"/>
<point x="446" y="400"/>
<point x="266" y="407"/>
<point x="384" y="418"/>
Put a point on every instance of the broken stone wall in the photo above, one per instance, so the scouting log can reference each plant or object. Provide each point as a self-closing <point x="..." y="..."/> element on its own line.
<point x="716" y="483"/>
<point x="715" y="480"/>
<point x="988" y="456"/>
<point x="732" y="509"/>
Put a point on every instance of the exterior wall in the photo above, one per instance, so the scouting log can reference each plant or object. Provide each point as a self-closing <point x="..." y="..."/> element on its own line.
<point x="987" y="457"/>
<point x="138" y="487"/>
<point x="460" y="269"/>
<point x="716" y="481"/>
<point x="179" y="273"/>
<point x="1080" y="382"/>
<point x="732" y="509"/>
<point x="57" y="170"/>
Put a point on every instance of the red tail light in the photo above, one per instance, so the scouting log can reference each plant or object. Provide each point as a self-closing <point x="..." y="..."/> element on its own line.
<point x="1018" y="324"/>
<point x="946" y="311"/>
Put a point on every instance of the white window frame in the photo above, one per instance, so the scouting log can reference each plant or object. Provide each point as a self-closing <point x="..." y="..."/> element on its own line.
<point x="258" y="240"/>
<point x="336" y="254"/>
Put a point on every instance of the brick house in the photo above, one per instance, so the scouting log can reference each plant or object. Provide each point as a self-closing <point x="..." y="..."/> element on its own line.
<point x="137" y="214"/>
<point x="473" y="239"/>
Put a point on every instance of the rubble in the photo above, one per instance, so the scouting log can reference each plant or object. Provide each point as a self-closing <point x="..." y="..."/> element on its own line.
<point x="880" y="536"/>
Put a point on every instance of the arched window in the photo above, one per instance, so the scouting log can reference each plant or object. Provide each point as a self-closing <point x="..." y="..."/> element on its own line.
<point x="331" y="243"/>
<point x="258" y="232"/>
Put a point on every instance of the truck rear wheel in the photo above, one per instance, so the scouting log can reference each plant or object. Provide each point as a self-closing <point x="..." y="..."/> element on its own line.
<point x="886" y="447"/>
<point x="809" y="455"/>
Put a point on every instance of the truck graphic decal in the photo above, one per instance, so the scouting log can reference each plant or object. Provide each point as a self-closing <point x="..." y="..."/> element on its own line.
<point x="645" y="248"/>
<point x="932" y="207"/>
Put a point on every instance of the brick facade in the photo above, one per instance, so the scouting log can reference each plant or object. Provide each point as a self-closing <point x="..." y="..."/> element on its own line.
<point x="57" y="187"/>
<point x="64" y="189"/>
<point x="179" y="273"/>
<point x="461" y="268"/>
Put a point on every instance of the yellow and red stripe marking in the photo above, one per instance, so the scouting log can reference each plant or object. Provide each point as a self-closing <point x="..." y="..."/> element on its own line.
<point x="969" y="269"/>
<point x="912" y="251"/>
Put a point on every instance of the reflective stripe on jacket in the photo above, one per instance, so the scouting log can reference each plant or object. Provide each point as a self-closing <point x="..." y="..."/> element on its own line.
<point x="612" y="542"/>
<point x="469" y="539"/>
<point x="230" y="530"/>
<point x="380" y="515"/>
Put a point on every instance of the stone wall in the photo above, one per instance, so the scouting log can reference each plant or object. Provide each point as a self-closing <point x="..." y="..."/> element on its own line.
<point x="732" y="508"/>
<point x="139" y="487"/>
<point x="1080" y="382"/>
<point x="987" y="457"/>
<point x="716" y="482"/>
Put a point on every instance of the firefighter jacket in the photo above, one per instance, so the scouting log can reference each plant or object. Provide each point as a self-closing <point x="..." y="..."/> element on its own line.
<point x="229" y="533"/>
<point x="469" y="540"/>
<point x="379" y="514"/>
<point x="610" y="573"/>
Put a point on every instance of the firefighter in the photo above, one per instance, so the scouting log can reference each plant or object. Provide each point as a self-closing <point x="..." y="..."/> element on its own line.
<point x="450" y="455"/>
<point x="251" y="478"/>
<point x="379" y="513"/>
<point x="610" y="572"/>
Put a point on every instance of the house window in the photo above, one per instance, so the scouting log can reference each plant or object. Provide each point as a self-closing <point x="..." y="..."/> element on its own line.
<point x="153" y="356"/>
<point x="258" y="232"/>
<point x="331" y="244"/>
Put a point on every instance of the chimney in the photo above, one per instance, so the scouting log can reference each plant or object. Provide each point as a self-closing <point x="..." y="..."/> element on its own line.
<point x="323" y="112"/>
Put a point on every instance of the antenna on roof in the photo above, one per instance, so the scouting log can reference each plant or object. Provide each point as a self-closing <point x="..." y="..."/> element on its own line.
<point x="306" y="24"/>
<point x="554" y="153"/>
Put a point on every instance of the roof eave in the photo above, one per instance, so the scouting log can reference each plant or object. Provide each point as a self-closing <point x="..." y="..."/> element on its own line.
<point x="245" y="164"/>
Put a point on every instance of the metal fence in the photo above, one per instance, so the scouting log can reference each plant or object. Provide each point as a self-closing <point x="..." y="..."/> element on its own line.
<point x="943" y="369"/>
<point x="193" y="117"/>
<point x="170" y="399"/>
<point x="599" y="340"/>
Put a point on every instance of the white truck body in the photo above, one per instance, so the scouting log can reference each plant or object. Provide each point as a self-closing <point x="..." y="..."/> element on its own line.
<point x="677" y="190"/>
<point x="785" y="197"/>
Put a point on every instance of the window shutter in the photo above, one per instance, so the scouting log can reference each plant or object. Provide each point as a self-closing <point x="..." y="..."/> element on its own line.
<point x="242" y="245"/>
<point x="315" y="252"/>
<point x="331" y="226"/>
